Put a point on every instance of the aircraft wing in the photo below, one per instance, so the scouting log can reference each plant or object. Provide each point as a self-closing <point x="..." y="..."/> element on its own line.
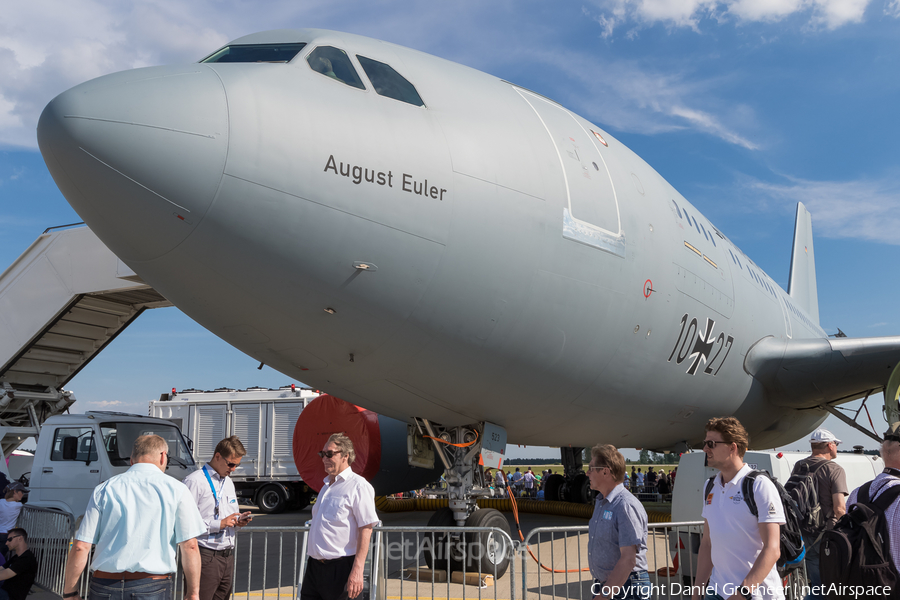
<point x="810" y="372"/>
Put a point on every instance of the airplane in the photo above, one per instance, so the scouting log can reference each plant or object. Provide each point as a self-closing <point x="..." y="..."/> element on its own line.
<point x="447" y="248"/>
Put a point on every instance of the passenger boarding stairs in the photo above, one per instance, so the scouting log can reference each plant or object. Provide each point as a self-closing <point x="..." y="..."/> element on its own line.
<point x="61" y="302"/>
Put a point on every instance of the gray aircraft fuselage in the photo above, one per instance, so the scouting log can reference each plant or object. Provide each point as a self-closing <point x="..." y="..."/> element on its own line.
<point x="489" y="256"/>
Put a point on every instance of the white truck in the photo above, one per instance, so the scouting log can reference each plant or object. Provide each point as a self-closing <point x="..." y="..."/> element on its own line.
<point x="264" y="420"/>
<point x="75" y="453"/>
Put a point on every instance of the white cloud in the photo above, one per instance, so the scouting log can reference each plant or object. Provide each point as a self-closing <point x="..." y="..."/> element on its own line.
<point x="892" y="8"/>
<point x="629" y="97"/>
<point x="827" y="14"/>
<point x="863" y="209"/>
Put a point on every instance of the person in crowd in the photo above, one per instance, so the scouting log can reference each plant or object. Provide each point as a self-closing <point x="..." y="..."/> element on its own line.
<point x="142" y="508"/>
<point x="738" y="551"/>
<point x="890" y="454"/>
<point x="831" y="483"/>
<point x="500" y="482"/>
<point x="640" y="480"/>
<point x="19" y="574"/>
<point x="213" y="491"/>
<point x="10" y="507"/>
<point x="617" y="534"/>
<point x="528" y="483"/>
<point x="518" y="484"/>
<point x="342" y="521"/>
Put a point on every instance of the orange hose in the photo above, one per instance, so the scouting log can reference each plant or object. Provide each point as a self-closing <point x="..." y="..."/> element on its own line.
<point x="451" y="444"/>
<point x="515" y="510"/>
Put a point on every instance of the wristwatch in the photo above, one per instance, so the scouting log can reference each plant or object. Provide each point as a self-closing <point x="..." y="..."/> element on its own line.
<point x="746" y="592"/>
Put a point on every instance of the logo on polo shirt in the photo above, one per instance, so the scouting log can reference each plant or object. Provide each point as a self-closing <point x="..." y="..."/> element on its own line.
<point x="737" y="498"/>
<point x="772" y="511"/>
<point x="709" y="499"/>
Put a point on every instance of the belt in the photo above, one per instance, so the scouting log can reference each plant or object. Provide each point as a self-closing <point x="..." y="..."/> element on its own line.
<point x="331" y="560"/>
<point x="127" y="575"/>
<point x="226" y="552"/>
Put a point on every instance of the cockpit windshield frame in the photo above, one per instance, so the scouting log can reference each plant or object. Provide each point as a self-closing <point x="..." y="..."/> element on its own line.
<point x="256" y="53"/>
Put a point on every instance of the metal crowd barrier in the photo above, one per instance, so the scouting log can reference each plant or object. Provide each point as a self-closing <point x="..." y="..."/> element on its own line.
<point x="49" y="534"/>
<point x="411" y="562"/>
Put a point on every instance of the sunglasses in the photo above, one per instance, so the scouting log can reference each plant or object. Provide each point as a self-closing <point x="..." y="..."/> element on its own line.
<point x="231" y="465"/>
<point x="12" y="537"/>
<point x="597" y="468"/>
<point x="328" y="453"/>
<point x="712" y="443"/>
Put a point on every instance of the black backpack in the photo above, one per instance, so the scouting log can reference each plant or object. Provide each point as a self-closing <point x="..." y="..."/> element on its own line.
<point x="857" y="552"/>
<point x="792" y="550"/>
<point x="803" y="489"/>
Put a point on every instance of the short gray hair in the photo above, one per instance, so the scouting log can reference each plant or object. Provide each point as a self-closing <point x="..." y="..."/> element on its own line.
<point x="344" y="444"/>
<point x="148" y="445"/>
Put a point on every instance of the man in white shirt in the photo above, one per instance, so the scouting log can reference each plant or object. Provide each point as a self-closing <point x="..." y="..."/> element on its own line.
<point x="135" y="520"/>
<point x="343" y="518"/>
<point x="213" y="491"/>
<point x="528" y="478"/>
<point x="738" y="551"/>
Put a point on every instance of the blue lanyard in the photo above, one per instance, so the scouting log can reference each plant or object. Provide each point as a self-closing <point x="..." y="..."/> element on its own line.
<point x="215" y="497"/>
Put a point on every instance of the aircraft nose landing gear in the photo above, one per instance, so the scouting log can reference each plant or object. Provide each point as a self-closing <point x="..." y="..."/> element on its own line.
<point x="459" y="448"/>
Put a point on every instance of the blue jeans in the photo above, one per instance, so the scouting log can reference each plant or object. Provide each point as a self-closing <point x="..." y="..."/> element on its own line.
<point x="132" y="589"/>
<point x="812" y="566"/>
<point x="636" y="587"/>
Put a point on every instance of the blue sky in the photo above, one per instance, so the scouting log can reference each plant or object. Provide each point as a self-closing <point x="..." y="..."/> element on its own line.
<point x="746" y="107"/>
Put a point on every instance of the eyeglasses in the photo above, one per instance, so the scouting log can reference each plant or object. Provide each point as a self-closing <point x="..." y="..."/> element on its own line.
<point x="328" y="453"/>
<point x="712" y="443"/>
<point x="12" y="537"/>
<point x="230" y="465"/>
<point x="597" y="468"/>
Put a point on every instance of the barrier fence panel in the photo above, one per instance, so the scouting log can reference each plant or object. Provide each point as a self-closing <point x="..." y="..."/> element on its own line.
<point x="49" y="534"/>
<point x="412" y="562"/>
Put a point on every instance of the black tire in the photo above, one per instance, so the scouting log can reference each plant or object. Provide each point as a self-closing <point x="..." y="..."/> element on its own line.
<point x="271" y="499"/>
<point x="553" y="488"/>
<point x="487" y="552"/>
<point x="434" y="546"/>
<point x="579" y="490"/>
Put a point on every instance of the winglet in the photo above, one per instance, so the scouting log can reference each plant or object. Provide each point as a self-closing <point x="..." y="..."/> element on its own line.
<point x="802" y="284"/>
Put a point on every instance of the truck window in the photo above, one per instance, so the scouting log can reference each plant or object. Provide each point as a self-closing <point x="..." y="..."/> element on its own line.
<point x="85" y="445"/>
<point x="118" y="439"/>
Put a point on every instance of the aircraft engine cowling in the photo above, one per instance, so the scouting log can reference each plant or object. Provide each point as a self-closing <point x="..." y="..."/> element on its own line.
<point x="379" y="443"/>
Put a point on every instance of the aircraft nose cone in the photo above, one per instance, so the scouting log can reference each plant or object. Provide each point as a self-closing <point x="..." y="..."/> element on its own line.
<point x="139" y="154"/>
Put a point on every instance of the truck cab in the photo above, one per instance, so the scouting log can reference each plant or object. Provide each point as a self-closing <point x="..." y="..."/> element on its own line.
<point x="75" y="453"/>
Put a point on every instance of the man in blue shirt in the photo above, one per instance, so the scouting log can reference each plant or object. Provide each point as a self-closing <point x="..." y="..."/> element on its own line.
<point x="136" y="519"/>
<point x="617" y="535"/>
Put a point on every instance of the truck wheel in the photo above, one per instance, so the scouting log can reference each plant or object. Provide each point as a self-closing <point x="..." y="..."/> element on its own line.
<point x="271" y="499"/>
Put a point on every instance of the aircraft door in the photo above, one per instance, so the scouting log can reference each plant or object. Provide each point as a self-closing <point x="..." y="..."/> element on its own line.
<point x="592" y="212"/>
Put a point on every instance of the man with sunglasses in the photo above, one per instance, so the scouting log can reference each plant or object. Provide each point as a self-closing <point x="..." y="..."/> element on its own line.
<point x="617" y="534"/>
<point x="136" y="520"/>
<point x="342" y="521"/>
<point x="213" y="491"/>
<point x="19" y="574"/>
<point x="738" y="551"/>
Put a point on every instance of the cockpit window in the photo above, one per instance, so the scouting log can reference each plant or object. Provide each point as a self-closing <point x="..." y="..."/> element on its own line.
<point x="272" y="53"/>
<point x="334" y="62"/>
<point x="390" y="83"/>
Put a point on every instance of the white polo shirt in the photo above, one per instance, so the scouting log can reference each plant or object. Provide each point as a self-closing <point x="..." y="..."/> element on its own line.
<point x="341" y="508"/>
<point x="734" y="533"/>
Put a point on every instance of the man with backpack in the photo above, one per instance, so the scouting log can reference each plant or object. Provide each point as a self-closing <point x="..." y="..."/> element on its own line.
<point x="855" y="552"/>
<point x="746" y="547"/>
<point x="819" y="485"/>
